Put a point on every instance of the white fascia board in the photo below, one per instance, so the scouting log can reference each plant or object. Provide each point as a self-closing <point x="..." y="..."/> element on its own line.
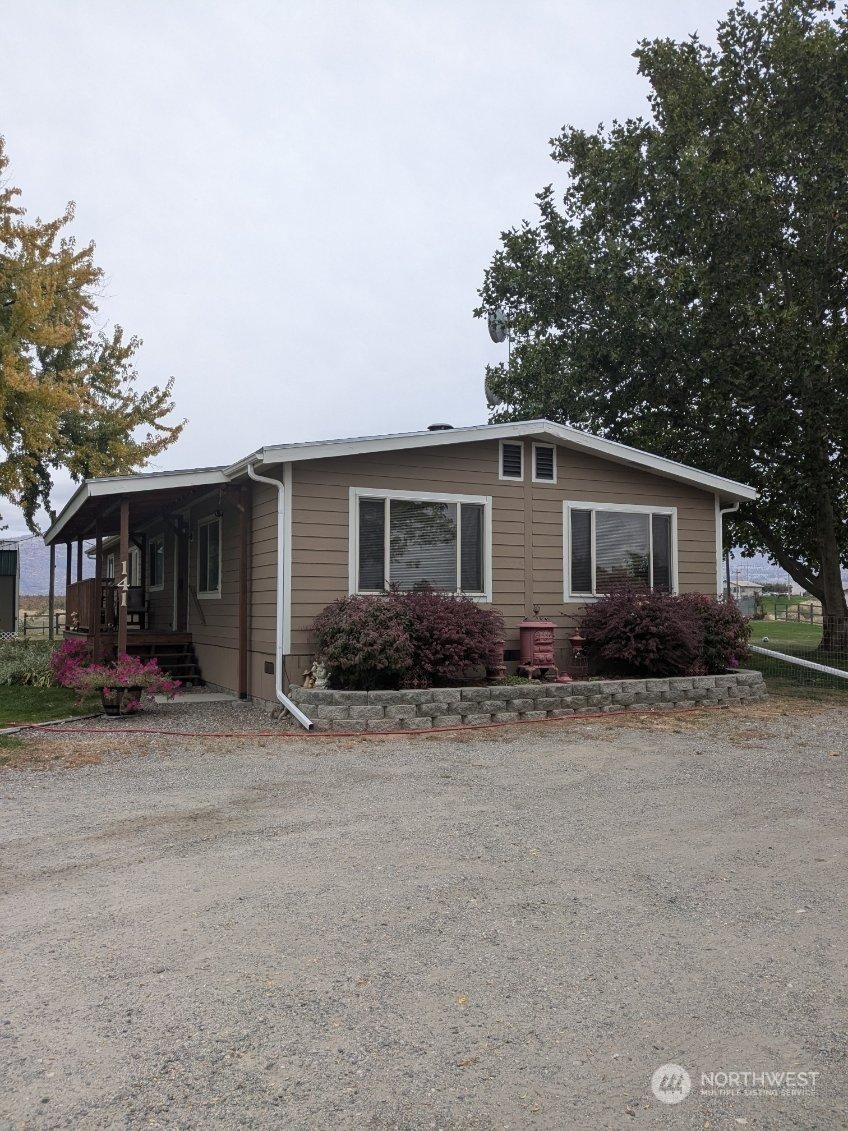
<point x="67" y="512"/>
<point x="635" y="457"/>
<point x="366" y="445"/>
<point x="540" y="429"/>
<point x="133" y="484"/>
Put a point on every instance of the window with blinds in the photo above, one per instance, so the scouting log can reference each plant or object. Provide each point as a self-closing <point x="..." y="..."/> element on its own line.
<point x="416" y="544"/>
<point x="512" y="460"/>
<point x="209" y="558"/>
<point x="610" y="549"/>
<point x="156" y="562"/>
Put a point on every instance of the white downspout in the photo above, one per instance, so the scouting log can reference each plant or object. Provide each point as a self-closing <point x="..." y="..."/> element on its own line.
<point x="722" y="511"/>
<point x="291" y="707"/>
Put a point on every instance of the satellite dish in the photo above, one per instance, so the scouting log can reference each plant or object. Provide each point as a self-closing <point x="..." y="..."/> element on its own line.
<point x="498" y="328"/>
<point x="492" y="398"/>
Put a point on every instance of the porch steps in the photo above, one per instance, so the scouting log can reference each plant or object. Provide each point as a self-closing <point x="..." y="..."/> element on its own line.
<point x="176" y="658"/>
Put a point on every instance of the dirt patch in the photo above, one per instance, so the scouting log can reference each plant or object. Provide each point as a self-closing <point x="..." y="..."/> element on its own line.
<point x="493" y="929"/>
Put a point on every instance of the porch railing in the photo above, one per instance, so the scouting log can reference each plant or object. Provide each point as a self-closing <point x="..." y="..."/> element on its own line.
<point x="86" y="608"/>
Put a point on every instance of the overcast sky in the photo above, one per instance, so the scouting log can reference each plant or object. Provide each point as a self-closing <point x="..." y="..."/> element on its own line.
<point x="294" y="202"/>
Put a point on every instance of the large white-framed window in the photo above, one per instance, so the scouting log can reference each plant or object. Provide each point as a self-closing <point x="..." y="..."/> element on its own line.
<point x="420" y="539"/>
<point x="109" y="567"/>
<point x="608" y="545"/>
<point x="209" y="557"/>
<point x="156" y="562"/>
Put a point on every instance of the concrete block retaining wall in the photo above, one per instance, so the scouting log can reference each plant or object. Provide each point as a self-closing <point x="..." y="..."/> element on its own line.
<point x="376" y="711"/>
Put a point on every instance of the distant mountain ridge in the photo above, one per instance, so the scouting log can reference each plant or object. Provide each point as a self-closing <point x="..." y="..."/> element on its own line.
<point x="35" y="566"/>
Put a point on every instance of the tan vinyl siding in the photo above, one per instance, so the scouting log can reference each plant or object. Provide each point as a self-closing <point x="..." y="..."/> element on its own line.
<point x="263" y="595"/>
<point x="527" y="524"/>
<point x="213" y="621"/>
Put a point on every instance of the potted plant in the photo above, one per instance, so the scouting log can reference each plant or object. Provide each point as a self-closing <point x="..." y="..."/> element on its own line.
<point x="123" y="682"/>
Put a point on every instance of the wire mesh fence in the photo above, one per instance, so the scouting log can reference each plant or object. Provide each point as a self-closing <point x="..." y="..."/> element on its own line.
<point x="805" y="653"/>
<point x="38" y="624"/>
<point x="799" y="610"/>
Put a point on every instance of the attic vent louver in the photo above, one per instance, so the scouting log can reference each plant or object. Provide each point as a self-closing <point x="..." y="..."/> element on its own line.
<point x="545" y="468"/>
<point x="512" y="461"/>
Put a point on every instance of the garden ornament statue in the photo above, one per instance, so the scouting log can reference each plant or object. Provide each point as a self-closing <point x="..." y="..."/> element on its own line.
<point x="316" y="677"/>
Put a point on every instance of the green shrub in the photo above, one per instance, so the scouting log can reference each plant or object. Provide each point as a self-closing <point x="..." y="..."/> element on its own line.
<point x="406" y="639"/>
<point x="364" y="643"/>
<point x="26" y="663"/>
<point x="725" y="631"/>
<point x="633" y="633"/>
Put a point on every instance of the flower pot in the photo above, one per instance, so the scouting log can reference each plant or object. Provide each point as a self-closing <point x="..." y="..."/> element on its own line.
<point x="120" y="700"/>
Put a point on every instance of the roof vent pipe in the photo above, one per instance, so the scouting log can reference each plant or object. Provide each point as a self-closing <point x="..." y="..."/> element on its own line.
<point x="439" y="427"/>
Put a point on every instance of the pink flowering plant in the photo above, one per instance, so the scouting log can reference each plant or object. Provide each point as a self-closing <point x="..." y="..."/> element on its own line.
<point x="145" y="676"/>
<point x="71" y="655"/>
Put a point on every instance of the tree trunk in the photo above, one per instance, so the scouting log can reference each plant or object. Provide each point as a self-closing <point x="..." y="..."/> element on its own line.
<point x="834" y="605"/>
<point x="827" y="584"/>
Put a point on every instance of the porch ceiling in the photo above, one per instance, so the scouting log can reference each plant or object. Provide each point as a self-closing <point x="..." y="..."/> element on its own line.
<point x="145" y="507"/>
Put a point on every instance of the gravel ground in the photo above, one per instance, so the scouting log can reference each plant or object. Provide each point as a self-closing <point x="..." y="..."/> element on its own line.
<point x="502" y="929"/>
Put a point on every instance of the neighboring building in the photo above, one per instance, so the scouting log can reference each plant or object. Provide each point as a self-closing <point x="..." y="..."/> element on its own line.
<point x="740" y="587"/>
<point x="517" y="515"/>
<point x="10" y="575"/>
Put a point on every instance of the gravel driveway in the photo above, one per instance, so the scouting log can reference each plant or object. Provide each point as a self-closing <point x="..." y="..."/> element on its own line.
<point x="507" y="929"/>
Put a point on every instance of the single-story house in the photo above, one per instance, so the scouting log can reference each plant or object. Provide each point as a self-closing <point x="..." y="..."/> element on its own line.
<point x="742" y="587"/>
<point x="220" y="571"/>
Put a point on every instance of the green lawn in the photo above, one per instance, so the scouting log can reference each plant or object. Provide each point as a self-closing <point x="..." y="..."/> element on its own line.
<point x="782" y="633"/>
<point x="41" y="704"/>
<point x="795" y="640"/>
<point x="831" y="694"/>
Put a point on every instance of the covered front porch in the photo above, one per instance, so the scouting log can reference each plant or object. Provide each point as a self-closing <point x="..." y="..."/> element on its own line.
<point x="142" y="598"/>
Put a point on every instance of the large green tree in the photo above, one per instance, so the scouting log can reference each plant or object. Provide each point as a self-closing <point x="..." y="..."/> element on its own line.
<point x="68" y="395"/>
<point x="686" y="289"/>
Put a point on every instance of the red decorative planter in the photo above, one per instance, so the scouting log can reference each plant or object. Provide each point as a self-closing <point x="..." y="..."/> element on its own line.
<point x="116" y="700"/>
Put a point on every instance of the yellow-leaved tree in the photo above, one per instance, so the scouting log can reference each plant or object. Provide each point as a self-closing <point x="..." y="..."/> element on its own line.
<point x="68" y="392"/>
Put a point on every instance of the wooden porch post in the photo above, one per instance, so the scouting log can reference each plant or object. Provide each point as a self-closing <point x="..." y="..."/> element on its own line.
<point x="124" y="557"/>
<point x="79" y="559"/>
<point x="51" y="593"/>
<point x="244" y="509"/>
<point x="69" y="555"/>
<point x="97" y="614"/>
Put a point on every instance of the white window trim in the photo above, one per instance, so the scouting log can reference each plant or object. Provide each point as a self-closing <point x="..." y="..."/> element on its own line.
<point x="107" y="576"/>
<point x="631" y="508"/>
<point x="134" y="556"/>
<point x="357" y="493"/>
<point x="210" y="594"/>
<point x="510" y="478"/>
<point x="549" y="482"/>
<point x="151" y="542"/>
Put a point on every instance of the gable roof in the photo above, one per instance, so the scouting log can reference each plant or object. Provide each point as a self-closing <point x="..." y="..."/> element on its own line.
<point x="545" y="430"/>
<point x="142" y="482"/>
<point x="538" y="429"/>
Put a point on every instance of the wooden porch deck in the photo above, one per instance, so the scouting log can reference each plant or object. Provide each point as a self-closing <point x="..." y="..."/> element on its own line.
<point x="92" y="609"/>
<point x="136" y="637"/>
<point x="173" y="651"/>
